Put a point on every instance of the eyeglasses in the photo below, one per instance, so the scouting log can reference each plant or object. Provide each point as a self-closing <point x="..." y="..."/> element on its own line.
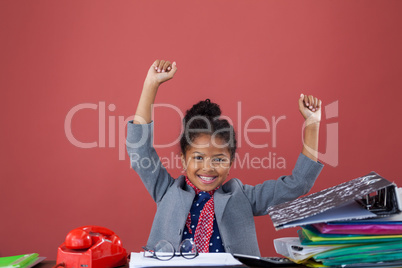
<point x="165" y="251"/>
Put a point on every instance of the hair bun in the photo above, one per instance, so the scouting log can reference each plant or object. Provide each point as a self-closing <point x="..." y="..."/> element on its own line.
<point x="204" y="108"/>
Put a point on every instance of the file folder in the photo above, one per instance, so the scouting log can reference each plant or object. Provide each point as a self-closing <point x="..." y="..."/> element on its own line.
<point x="369" y="196"/>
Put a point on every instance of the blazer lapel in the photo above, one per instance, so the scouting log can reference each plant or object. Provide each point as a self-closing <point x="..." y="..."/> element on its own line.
<point x="220" y="200"/>
<point x="186" y="196"/>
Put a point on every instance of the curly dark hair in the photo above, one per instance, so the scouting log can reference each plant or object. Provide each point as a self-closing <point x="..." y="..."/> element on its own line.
<point x="203" y="118"/>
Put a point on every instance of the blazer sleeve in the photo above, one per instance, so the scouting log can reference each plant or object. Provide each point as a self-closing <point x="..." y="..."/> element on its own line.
<point x="285" y="188"/>
<point x="145" y="161"/>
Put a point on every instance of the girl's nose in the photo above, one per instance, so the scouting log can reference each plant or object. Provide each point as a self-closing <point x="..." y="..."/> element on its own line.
<point x="207" y="165"/>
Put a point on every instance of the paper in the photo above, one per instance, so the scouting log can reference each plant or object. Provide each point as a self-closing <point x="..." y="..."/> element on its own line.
<point x="291" y="248"/>
<point x="204" y="259"/>
<point x="396" y="218"/>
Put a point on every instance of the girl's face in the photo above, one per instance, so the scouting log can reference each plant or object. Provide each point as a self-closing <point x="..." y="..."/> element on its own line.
<point x="207" y="162"/>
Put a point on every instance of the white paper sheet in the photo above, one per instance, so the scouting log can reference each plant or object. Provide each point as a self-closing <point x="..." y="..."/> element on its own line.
<point x="204" y="259"/>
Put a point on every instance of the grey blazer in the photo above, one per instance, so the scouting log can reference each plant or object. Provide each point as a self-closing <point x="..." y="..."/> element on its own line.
<point x="235" y="203"/>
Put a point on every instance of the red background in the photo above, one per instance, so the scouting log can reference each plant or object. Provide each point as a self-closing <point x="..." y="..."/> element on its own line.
<point x="59" y="54"/>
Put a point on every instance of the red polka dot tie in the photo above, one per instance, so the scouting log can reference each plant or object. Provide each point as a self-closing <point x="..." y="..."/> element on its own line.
<point x="203" y="232"/>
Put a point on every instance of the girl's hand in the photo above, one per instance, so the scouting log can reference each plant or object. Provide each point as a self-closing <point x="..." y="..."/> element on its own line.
<point x="161" y="71"/>
<point x="310" y="108"/>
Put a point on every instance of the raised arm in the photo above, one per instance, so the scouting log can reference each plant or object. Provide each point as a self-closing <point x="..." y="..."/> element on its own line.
<point x="305" y="172"/>
<point x="143" y="156"/>
<point x="310" y="108"/>
<point x="160" y="71"/>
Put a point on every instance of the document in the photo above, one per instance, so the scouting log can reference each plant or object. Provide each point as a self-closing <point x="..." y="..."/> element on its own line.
<point x="204" y="259"/>
<point x="291" y="248"/>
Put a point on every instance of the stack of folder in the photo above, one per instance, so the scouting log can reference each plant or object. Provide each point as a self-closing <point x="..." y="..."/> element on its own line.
<point x="354" y="224"/>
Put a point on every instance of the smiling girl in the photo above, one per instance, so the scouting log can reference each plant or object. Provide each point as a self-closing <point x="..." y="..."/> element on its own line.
<point x="199" y="205"/>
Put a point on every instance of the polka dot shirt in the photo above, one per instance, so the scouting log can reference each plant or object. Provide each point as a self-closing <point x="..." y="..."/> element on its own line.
<point x="215" y="244"/>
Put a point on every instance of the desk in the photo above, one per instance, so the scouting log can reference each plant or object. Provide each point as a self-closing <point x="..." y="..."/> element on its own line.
<point x="51" y="264"/>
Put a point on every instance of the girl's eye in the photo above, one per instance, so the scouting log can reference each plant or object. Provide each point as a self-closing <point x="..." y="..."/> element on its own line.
<point x="197" y="157"/>
<point x="221" y="160"/>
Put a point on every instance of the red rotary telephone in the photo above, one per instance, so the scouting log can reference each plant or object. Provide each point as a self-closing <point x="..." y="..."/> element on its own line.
<point x="91" y="247"/>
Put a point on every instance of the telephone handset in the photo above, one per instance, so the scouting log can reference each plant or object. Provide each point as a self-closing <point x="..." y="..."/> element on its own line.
<point x="91" y="247"/>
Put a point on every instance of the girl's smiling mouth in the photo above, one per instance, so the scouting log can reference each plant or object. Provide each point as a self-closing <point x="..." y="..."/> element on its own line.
<point x="207" y="179"/>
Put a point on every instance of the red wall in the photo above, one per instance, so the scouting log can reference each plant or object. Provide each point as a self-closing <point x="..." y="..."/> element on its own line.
<point x="56" y="55"/>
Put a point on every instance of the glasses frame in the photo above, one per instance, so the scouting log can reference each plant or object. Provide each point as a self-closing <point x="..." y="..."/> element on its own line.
<point x="174" y="253"/>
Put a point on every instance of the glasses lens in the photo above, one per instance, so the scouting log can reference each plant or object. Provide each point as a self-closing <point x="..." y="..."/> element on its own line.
<point x="188" y="249"/>
<point x="164" y="250"/>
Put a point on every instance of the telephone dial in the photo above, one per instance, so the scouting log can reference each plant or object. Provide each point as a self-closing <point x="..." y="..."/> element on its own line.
<point x="91" y="247"/>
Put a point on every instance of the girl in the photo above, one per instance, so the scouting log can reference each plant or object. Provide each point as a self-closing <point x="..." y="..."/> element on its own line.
<point x="217" y="216"/>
